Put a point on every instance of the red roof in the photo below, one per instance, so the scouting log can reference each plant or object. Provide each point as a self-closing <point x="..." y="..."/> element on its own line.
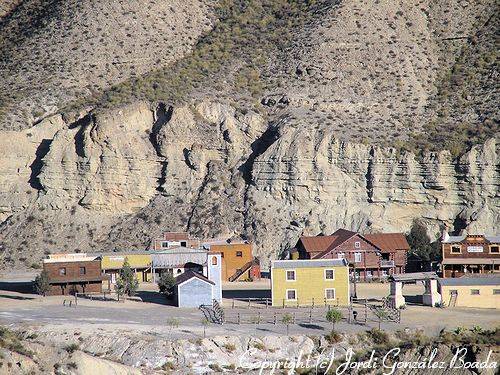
<point x="339" y="237"/>
<point x="316" y="244"/>
<point x="388" y="241"/>
<point x="176" y="236"/>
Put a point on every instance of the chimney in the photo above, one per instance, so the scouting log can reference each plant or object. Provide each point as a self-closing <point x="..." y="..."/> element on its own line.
<point x="445" y="236"/>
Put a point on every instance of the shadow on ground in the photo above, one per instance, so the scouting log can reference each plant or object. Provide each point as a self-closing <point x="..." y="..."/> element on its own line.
<point x="15" y="297"/>
<point x="25" y="287"/>
<point x="154" y="297"/>
<point x="246" y="293"/>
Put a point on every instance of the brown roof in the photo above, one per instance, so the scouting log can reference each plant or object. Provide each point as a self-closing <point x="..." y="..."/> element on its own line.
<point x="189" y="275"/>
<point x="339" y="237"/>
<point x="176" y="236"/>
<point x="388" y="241"/>
<point x="316" y="244"/>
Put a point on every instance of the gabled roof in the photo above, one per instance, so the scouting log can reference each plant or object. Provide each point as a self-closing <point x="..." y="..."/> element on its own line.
<point x="339" y="237"/>
<point x="315" y="244"/>
<point x="188" y="275"/>
<point x="388" y="241"/>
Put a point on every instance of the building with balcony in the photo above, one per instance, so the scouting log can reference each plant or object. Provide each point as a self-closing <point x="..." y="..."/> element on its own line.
<point x="73" y="273"/>
<point x="370" y="256"/>
<point x="469" y="254"/>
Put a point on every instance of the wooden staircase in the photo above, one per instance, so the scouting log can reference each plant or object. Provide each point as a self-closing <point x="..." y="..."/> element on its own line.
<point x="243" y="269"/>
<point x="213" y="313"/>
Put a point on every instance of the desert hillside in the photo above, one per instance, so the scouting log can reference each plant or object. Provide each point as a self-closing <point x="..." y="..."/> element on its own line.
<point x="258" y="119"/>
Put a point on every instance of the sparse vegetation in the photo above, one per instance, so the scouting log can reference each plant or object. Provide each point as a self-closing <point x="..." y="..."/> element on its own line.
<point x="41" y="284"/>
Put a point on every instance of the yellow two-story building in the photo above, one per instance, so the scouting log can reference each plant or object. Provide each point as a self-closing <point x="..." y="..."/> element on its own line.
<point x="111" y="264"/>
<point x="310" y="282"/>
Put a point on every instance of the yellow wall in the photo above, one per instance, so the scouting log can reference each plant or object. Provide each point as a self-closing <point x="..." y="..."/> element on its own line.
<point x="136" y="261"/>
<point x="485" y="298"/>
<point x="310" y="284"/>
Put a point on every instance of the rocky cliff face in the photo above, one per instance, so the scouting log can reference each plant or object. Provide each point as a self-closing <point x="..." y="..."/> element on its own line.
<point x="112" y="180"/>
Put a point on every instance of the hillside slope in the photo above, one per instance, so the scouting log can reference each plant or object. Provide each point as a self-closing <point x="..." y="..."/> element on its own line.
<point x="264" y="120"/>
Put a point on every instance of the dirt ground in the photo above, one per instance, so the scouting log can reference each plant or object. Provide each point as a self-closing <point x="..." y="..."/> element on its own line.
<point x="23" y="309"/>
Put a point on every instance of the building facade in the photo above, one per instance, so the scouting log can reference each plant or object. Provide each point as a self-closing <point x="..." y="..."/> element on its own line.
<point x="140" y="263"/>
<point x="171" y="240"/>
<point x="312" y="282"/>
<point x="192" y="289"/>
<point x="469" y="254"/>
<point x="475" y="292"/>
<point x="238" y="262"/>
<point x="73" y="273"/>
<point x="371" y="256"/>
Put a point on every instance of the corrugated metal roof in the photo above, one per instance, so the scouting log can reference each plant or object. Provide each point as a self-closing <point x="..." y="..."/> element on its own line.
<point x="309" y="263"/>
<point x="471" y="261"/>
<point x="388" y="241"/>
<point x="470" y="281"/>
<point x="176" y="257"/>
<point x="454" y="239"/>
<point x="414" y="276"/>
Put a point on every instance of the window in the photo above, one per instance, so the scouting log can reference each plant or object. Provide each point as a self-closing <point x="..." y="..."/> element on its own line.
<point x="62" y="271"/>
<point x="222" y="255"/>
<point x="330" y="293"/>
<point x="384" y="273"/>
<point x="291" y="294"/>
<point x="474" y="292"/>
<point x="357" y="257"/>
<point x="496" y="291"/>
<point x="164" y="244"/>
<point x="214" y="261"/>
<point x="368" y="273"/>
<point x="341" y="255"/>
<point x="183" y="243"/>
<point x="357" y="244"/>
<point x="83" y="271"/>
<point x="239" y="254"/>
<point x="329" y="274"/>
<point x="495" y="249"/>
<point x="290" y="275"/>
<point x="455" y="250"/>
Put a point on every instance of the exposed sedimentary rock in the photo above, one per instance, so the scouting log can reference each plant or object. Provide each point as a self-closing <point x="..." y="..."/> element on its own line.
<point x="116" y="179"/>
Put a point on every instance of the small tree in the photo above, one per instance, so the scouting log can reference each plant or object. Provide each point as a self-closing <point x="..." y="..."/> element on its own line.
<point x="172" y="323"/>
<point x="287" y="319"/>
<point x="42" y="285"/>
<point x="127" y="283"/>
<point x="381" y="314"/>
<point x="166" y="283"/>
<point x="205" y="323"/>
<point x="334" y="316"/>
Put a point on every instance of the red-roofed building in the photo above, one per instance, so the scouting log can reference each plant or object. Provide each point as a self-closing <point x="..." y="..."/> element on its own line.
<point x="375" y="255"/>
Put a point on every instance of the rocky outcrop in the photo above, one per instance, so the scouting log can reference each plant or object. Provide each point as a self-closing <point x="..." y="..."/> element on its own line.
<point x="322" y="183"/>
<point x="116" y="179"/>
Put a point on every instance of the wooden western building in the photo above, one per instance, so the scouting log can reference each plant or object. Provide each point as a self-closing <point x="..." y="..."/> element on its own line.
<point x="238" y="262"/>
<point x="73" y="273"/>
<point x="470" y="254"/>
<point x="171" y="240"/>
<point x="370" y="256"/>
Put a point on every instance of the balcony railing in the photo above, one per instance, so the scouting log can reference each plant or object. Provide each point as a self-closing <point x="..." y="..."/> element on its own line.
<point x="386" y="263"/>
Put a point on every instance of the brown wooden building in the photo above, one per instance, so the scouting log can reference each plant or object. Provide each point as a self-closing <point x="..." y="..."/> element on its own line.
<point x="73" y="273"/>
<point x="470" y="254"/>
<point x="370" y="256"/>
<point x="172" y="240"/>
